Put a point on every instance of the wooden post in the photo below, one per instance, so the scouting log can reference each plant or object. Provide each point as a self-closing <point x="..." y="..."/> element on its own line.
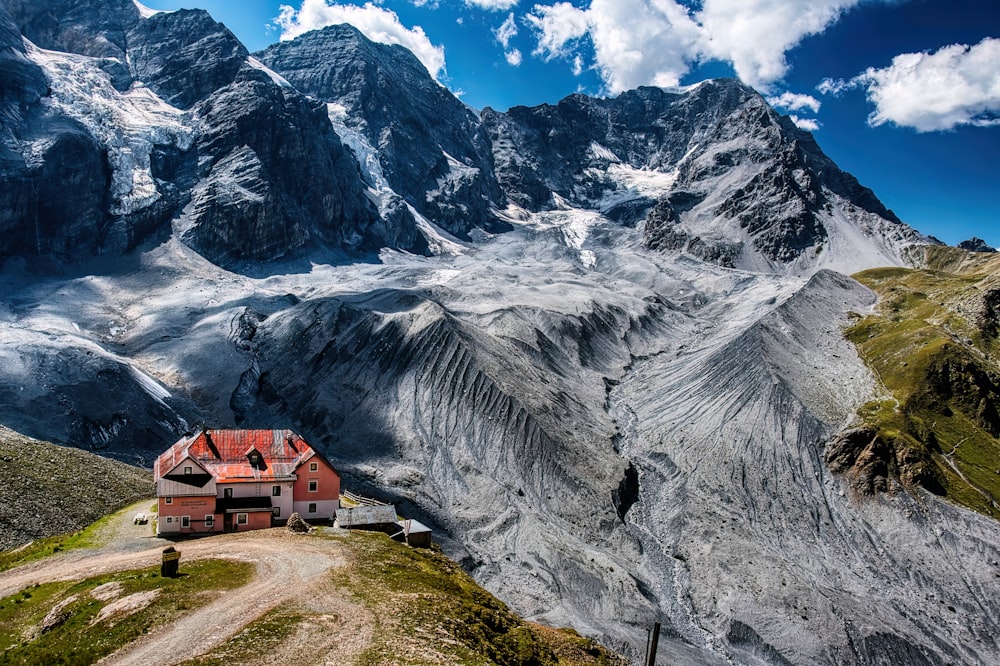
<point x="170" y="562"/>
<point x="653" y="645"/>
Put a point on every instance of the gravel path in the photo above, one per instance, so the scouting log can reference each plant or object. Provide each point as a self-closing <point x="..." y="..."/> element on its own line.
<point x="289" y="568"/>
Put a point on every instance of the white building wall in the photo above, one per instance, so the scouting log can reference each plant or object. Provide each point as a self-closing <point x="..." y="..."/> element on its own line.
<point x="262" y="489"/>
<point x="324" y="509"/>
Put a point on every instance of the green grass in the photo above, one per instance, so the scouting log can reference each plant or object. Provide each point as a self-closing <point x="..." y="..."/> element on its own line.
<point x="421" y="598"/>
<point x="942" y="372"/>
<point x="79" y="639"/>
<point x="260" y="637"/>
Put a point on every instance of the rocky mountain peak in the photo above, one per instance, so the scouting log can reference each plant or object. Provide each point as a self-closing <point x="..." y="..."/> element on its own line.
<point x="976" y="244"/>
<point x="95" y="29"/>
<point x="429" y="146"/>
<point x="184" y="56"/>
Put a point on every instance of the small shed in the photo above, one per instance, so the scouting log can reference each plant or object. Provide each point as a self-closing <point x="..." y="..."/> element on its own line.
<point x="416" y="534"/>
<point x="380" y="518"/>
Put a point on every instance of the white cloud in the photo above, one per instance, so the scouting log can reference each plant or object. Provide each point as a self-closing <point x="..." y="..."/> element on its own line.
<point x="656" y="42"/>
<point x="492" y="5"/>
<point x="833" y="86"/>
<point x="557" y="27"/>
<point x="957" y="85"/>
<point x="377" y="24"/>
<point x="808" y="124"/>
<point x="507" y="31"/>
<point x="636" y="42"/>
<point x="755" y="35"/>
<point x="794" y="102"/>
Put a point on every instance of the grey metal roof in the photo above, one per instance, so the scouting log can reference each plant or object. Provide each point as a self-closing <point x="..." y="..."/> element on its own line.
<point x="411" y="526"/>
<point x="360" y="516"/>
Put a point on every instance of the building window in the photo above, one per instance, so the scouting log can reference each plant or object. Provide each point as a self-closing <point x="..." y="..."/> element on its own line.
<point x="187" y="470"/>
<point x="312" y="507"/>
<point x="313" y="467"/>
<point x="185" y="521"/>
<point x="228" y="492"/>
<point x="168" y="500"/>
<point x="209" y="520"/>
<point x="241" y="519"/>
<point x="275" y="491"/>
<point x="276" y="511"/>
<point x="313" y="486"/>
<point x="170" y="519"/>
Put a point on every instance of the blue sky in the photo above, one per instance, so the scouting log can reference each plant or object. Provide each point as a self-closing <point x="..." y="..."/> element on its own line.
<point x="904" y="94"/>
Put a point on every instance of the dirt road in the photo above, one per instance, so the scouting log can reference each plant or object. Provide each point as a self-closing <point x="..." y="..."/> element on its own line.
<point x="290" y="568"/>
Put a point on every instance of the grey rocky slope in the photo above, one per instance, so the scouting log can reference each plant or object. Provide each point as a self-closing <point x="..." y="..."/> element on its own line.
<point x="608" y="426"/>
<point x="33" y="473"/>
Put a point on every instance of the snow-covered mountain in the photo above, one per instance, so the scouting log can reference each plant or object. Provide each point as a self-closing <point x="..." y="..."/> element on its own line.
<point x="597" y="344"/>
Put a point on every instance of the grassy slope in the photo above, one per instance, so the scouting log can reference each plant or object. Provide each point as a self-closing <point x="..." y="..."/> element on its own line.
<point x="47" y="489"/>
<point x="933" y="343"/>
<point x="59" y="623"/>
<point x="426" y="610"/>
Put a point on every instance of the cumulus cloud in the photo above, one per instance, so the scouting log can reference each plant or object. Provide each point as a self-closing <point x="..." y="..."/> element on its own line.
<point x="377" y="24"/>
<point x="557" y="27"/>
<point x="636" y="42"/>
<point x="956" y="85"/>
<point x="492" y="5"/>
<point x="794" y="102"/>
<point x="834" y="86"/>
<point x="755" y="35"/>
<point x="507" y="31"/>
<point x="808" y="124"/>
<point x="656" y="42"/>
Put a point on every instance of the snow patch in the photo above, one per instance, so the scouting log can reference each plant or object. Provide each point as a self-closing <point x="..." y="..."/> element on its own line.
<point x="150" y="385"/>
<point x="273" y="75"/>
<point x="600" y="152"/>
<point x="128" y="125"/>
<point x="646" y="182"/>
<point x="364" y="152"/>
<point x="144" y="11"/>
<point x="438" y="240"/>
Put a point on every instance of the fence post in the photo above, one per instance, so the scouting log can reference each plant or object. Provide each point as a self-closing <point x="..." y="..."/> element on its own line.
<point x="653" y="644"/>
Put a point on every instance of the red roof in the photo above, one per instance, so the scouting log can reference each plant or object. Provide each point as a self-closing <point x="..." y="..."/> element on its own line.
<point x="226" y="454"/>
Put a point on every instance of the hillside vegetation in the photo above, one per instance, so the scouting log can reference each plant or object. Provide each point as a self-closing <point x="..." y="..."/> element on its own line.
<point x="47" y="489"/>
<point x="265" y="597"/>
<point x="933" y="343"/>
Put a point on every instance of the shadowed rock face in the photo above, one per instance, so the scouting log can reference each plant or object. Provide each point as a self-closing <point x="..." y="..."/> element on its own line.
<point x="264" y="173"/>
<point x="184" y="56"/>
<point x="95" y="29"/>
<point x="252" y="204"/>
